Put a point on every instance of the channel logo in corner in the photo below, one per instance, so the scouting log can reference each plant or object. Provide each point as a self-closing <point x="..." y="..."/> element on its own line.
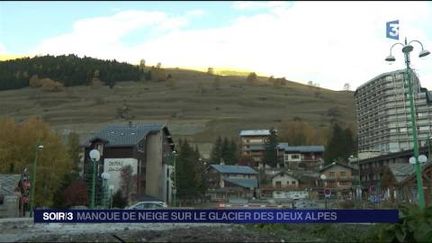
<point x="392" y="30"/>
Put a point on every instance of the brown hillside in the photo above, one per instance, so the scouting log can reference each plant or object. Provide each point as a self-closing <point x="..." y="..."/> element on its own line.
<point x="192" y="104"/>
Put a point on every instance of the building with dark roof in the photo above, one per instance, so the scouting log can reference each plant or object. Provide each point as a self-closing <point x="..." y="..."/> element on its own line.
<point x="146" y="148"/>
<point x="253" y="145"/>
<point x="307" y="157"/>
<point x="399" y="182"/>
<point x="231" y="181"/>
<point x="338" y="178"/>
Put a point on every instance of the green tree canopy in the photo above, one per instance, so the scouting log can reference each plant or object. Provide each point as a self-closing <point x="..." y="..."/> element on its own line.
<point x="189" y="181"/>
<point x="340" y="146"/>
<point x="270" y="153"/>
<point x="18" y="148"/>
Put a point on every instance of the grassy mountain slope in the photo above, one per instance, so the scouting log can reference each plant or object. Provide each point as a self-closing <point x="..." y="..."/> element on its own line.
<point x="191" y="104"/>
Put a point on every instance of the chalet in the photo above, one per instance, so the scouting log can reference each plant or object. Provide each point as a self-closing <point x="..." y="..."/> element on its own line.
<point x="338" y="178"/>
<point x="399" y="183"/>
<point x="372" y="169"/>
<point x="306" y="157"/>
<point x="147" y="149"/>
<point x="231" y="181"/>
<point x="284" y="185"/>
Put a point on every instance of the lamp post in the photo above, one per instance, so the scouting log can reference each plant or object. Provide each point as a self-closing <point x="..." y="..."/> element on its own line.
<point x="175" y="178"/>
<point x="111" y="188"/>
<point x="38" y="148"/>
<point x="105" y="177"/>
<point x="406" y="49"/>
<point x="94" y="156"/>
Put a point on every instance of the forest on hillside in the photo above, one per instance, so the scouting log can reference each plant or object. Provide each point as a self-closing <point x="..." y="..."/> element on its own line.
<point x="68" y="70"/>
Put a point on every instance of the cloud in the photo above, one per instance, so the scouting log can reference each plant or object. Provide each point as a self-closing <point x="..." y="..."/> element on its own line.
<point x="244" y="5"/>
<point x="101" y="36"/>
<point x="329" y="43"/>
<point x="195" y="13"/>
<point x="2" y="48"/>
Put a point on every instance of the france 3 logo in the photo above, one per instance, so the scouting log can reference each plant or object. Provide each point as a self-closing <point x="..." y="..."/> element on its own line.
<point x="392" y="30"/>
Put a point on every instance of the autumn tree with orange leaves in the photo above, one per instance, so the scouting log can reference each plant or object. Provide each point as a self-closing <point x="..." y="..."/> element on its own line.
<point x="18" y="144"/>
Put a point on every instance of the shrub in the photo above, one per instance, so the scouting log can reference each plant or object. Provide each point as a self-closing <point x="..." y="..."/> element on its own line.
<point x="34" y="81"/>
<point x="347" y="204"/>
<point x="51" y="85"/>
<point x="118" y="201"/>
<point x="251" y="78"/>
<point x="415" y="225"/>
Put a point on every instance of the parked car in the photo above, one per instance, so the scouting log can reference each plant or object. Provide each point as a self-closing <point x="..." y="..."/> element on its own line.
<point x="148" y="205"/>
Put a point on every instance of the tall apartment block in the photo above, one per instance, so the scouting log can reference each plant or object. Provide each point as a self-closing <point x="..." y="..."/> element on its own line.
<point x="383" y="113"/>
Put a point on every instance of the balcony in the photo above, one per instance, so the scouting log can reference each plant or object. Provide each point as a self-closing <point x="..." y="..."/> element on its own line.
<point x="283" y="187"/>
<point x="338" y="178"/>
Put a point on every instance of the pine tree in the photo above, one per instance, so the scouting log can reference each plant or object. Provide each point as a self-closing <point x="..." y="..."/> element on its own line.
<point x="225" y="151"/>
<point x="340" y="146"/>
<point x="189" y="172"/>
<point x="233" y="156"/>
<point x="270" y="153"/>
<point x="216" y="153"/>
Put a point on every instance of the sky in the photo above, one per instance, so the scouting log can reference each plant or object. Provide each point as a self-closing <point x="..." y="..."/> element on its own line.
<point x="328" y="43"/>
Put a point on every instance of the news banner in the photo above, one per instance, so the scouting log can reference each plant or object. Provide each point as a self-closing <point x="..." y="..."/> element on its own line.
<point x="238" y="216"/>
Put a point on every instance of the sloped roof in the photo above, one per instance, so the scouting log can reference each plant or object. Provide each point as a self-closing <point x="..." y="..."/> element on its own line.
<point x="262" y="132"/>
<point x="301" y="149"/>
<point x="334" y="164"/>
<point x="126" y="135"/>
<point x="234" y="169"/>
<point x="283" y="173"/>
<point x="8" y="183"/>
<point x="403" y="171"/>
<point x="243" y="182"/>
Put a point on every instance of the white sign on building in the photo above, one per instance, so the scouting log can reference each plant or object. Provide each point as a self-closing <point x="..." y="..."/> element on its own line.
<point x="113" y="166"/>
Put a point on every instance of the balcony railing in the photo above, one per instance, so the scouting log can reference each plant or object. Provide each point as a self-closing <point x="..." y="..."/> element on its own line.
<point x="339" y="178"/>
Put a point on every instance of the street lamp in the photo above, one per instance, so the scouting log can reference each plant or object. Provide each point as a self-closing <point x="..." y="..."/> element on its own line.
<point x="406" y="49"/>
<point x="105" y="177"/>
<point x="111" y="188"/>
<point x="94" y="156"/>
<point x="175" y="178"/>
<point x="38" y="148"/>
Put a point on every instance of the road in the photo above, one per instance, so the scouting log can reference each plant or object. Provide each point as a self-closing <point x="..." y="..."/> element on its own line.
<point x="24" y="230"/>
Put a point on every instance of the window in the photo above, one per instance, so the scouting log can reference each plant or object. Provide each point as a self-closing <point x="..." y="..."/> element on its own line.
<point x="295" y="156"/>
<point x="141" y="147"/>
<point x="343" y="173"/>
<point x="278" y="184"/>
<point x="332" y="174"/>
<point x="99" y="147"/>
<point x="293" y="182"/>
